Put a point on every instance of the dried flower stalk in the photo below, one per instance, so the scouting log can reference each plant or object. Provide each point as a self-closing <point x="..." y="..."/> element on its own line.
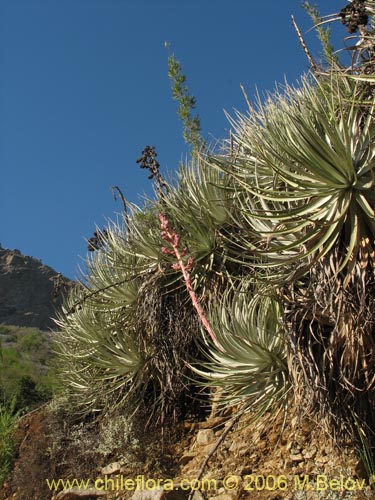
<point x="173" y="238"/>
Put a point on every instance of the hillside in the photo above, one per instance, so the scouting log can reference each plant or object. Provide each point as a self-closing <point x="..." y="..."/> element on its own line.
<point x="30" y="296"/>
<point x="271" y="459"/>
<point x="30" y="292"/>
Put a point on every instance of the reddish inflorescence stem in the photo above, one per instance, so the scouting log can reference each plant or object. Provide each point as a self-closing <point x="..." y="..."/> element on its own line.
<point x="173" y="238"/>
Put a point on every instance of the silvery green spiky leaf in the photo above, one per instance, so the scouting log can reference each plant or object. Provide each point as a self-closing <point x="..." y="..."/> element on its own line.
<point x="125" y="332"/>
<point x="100" y="363"/>
<point x="306" y="168"/>
<point x="251" y="369"/>
<point x="199" y="206"/>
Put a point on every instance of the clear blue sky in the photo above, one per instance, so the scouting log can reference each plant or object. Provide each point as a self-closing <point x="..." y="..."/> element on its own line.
<point x="84" y="87"/>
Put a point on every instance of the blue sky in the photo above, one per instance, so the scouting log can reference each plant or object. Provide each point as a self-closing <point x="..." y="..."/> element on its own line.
<point x="84" y="87"/>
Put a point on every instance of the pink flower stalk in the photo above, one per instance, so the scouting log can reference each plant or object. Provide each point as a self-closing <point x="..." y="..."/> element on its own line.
<point x="173" y="238"/>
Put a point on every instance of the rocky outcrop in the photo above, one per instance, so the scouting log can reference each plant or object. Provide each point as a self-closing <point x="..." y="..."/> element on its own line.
<point x="30" y="292"/>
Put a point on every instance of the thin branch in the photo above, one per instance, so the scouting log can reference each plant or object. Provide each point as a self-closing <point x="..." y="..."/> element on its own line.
<point x="103" y="289"/>
<point x="216" y="446"/>
<point x="304" y="46"/>
<point x="126" y="214"/>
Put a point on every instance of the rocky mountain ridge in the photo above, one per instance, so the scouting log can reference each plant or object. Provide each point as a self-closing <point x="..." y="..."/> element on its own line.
<point x="30" y="292"/>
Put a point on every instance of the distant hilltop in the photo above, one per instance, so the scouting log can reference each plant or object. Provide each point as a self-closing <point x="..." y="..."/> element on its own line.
<point x="30" y="292"/>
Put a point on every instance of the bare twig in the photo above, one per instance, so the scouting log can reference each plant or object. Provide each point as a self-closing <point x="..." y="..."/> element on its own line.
<point x="103" y="289"/>
<point x="215" y="447"/>
<point x="126" y="215"/>
<point x="314" y="67"/>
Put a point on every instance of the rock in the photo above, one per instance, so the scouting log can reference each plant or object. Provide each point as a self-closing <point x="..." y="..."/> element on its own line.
<point x="237" y="445"/>
<point x="213" y="423"/>
<point x="77" y="494"/>
<point x="205" y="436"/>
<point x="295" y="450"/>
<point x="30" y="292"/>
<point x="225" y="496"/>
<point x="154" y="494"/>
<point x="161" y="494"/>
<point x="187" y="457"/>
<point x="289" y="445"/>
<point x="113" y="468"/>
<point x="298" y="457"/>
<point x="309" y="454"/>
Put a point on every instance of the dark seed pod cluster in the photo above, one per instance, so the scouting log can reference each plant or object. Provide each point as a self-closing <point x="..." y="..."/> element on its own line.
<point x="148" y="160"/>
<point x="354" y="15"/>
<point x="97" y="241"/>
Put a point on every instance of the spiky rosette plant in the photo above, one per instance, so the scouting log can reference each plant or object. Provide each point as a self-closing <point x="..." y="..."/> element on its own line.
<point x="250" y="365"/>
<point x="305" y="171"/>
<point x="101" y="363"/>
<point x="126" y="332"/>
<point x="134" y="301"/>
<point x="329" y="309"/>
<point x="198" y="206"/>
<point x="306" y="168"/>
<point x="99" y="349"/>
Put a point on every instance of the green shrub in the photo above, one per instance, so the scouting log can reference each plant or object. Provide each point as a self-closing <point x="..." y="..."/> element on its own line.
<point x="28" y="395"/>
<point x="26" y="355"/>
<point x="8" y="421"/>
